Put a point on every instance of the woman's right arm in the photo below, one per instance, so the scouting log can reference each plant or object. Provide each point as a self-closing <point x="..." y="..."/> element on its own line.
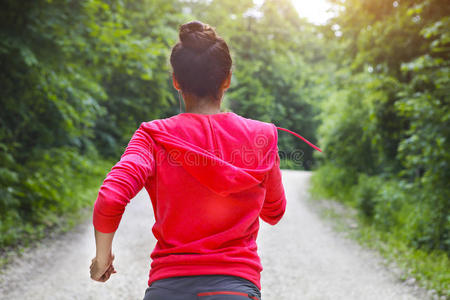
<point x="126" y="178"/>
<point x="275" y="201"/>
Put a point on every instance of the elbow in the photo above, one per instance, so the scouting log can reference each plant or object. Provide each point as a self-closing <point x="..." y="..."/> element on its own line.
<point x="107" y="214"/>
<point x="272" y="219"/>
<point x="272" y="215"/>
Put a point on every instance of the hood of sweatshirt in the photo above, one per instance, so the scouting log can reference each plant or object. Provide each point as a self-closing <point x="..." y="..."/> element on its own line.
<point x="225" y="152"/>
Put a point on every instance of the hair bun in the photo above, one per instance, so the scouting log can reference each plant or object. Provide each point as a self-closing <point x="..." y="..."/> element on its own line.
<point x="197" y="35"/>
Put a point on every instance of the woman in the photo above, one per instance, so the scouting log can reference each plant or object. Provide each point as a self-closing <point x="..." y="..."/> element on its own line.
<point x="210" y="175"/>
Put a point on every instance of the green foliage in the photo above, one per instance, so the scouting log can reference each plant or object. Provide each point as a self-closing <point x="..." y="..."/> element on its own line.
<point x="334" y="183"/>
<point x="77" y="77"/>
<point x="366" y="194"/>
<point x="386" y="123"/>
<point x="49" y="192"/>
<point x="429" y="268"/>
<point x="385" y="126"/>
<point x="290" y="164"/>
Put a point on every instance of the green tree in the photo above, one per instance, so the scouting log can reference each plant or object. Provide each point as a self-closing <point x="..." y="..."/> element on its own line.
<point x="77" y="77"/>
<point x="388" y="114"/>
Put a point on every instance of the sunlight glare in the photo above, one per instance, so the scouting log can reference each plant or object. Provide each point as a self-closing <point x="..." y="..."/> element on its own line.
<point x="315" y="11"/>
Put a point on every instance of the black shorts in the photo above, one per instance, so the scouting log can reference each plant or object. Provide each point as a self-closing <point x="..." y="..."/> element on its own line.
<point x="203" y="287"/>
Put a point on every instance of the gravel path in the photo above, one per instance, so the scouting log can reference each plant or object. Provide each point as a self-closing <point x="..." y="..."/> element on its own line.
<point x="303" y="258"/>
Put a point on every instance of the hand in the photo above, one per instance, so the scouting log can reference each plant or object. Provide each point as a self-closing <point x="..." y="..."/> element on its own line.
<point x="101" y="270"/>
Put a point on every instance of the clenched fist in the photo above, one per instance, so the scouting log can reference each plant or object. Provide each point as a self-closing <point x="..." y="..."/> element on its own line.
<point x="101" y="269"/>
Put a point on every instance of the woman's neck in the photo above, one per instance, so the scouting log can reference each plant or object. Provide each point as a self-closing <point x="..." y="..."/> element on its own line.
<point x="204" y="106"/>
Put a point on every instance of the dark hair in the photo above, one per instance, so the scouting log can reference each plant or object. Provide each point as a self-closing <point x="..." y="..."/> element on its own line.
<point x="201" y="60"/>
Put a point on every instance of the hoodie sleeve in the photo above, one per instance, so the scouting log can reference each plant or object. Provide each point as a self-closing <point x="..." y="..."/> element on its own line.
<point x="126" y="178"/>
<point x="275" y="201"/>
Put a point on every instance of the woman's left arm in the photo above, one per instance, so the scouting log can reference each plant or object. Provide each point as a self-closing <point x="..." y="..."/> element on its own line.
<point x="126" y="178"/>
<point x="101" y="265"/>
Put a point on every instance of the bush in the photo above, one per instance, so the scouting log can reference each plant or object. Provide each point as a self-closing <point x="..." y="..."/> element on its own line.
<point x="49" y="192"/>
<point x="367" y="194"/>
<point x="393" y="207"/>
<point x="290" y="165"/>
<point x="333" y="182"/>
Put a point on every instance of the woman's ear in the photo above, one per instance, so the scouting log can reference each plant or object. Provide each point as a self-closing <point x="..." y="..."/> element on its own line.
<point x="175" y="82"/>
<point x="227" y="81"/>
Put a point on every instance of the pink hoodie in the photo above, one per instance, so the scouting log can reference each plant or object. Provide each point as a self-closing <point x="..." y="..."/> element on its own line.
<point x="210" y="178"/>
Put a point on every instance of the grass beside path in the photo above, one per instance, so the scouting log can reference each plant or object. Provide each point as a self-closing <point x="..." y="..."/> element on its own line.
<point x="75" y="208"/>
<point x="414" y="266"/>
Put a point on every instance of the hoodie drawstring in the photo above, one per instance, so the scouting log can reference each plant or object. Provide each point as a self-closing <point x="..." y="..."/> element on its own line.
<point x="299" y="136"/>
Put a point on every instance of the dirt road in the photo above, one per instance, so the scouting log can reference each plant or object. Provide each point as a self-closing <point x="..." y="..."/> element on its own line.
<point x="303" y="258"/>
